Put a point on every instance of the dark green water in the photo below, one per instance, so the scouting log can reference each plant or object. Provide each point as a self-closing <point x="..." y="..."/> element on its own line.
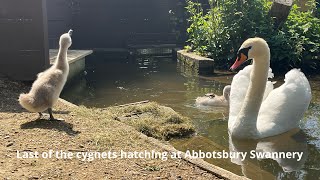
<point x="113" y="81"/>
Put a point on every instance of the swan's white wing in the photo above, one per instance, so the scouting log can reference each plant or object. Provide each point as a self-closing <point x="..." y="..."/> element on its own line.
<point x="285" y="105"/>
<point x="239" y="87"/>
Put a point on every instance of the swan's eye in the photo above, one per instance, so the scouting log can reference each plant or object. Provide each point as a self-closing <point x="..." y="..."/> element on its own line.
<point x="243" y="51"/>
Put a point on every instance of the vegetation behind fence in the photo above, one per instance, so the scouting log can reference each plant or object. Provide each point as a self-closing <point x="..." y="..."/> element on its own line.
<point x="219" y="32"/>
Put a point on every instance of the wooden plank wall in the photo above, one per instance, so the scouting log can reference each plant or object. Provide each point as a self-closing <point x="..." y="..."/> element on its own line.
<point x="28" y="28"/>
<point x="115" y="23"/>
<point x="23" y="38"/>
<point x="59" y="20"/>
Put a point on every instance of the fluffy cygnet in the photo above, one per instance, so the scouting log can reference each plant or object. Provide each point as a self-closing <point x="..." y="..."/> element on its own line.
<point x="46" y="89"/>
<point x="215" y="100"/>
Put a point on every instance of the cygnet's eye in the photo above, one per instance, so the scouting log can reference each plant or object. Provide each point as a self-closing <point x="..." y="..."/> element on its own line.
<point x="210" y="95"/>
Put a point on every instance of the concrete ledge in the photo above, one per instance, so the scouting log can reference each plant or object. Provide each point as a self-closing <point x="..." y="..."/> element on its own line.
<point x="76" y="59"/>
<point x="201" y="64"/>
<point x="73" y="55"/>
<point x="67" y="103"/>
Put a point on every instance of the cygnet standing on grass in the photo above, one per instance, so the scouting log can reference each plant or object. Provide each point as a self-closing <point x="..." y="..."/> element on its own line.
<point x="215" y="100"/>
<point x="46" y="89"/>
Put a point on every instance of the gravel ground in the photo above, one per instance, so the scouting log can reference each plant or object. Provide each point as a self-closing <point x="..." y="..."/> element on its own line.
<point x="82" y="130"/>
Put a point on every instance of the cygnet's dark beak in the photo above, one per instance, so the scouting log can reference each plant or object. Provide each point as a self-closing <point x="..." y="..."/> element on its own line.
<point x="70" y="32"/>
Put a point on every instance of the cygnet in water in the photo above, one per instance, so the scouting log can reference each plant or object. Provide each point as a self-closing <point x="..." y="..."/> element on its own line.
<point x="215" y="100"/>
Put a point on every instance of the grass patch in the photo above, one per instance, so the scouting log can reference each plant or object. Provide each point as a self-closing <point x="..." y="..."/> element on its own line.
<point x="154" y="120"/>
<point x="150" y="119"/>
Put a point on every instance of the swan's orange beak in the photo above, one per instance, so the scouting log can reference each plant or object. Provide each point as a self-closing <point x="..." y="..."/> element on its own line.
<point x="240" y="59"/>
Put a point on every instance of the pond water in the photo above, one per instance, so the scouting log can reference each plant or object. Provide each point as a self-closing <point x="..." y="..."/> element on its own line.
<point x="113" y="81"/>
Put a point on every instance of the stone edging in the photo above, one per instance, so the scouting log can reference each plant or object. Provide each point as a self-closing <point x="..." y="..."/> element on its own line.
<point x="202" y="65"/>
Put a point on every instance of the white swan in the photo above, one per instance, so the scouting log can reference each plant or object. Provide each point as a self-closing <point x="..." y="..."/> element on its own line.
<point x="215" y="100"/>
<point x="256" y="111"/>
<point x="46" y="90"/>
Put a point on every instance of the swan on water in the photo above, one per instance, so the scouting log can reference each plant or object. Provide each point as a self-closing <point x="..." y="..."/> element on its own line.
<point x="256" y="109"/>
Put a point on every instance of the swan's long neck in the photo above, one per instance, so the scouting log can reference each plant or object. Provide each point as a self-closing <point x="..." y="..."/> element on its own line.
<point x="246" y="122"/>
<point x="226" y="95"/>
<point x="62" y="61"/>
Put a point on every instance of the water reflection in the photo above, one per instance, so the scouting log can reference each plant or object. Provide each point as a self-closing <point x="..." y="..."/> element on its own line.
<point x="111" y="81"/>
<point x="293" y="144"/>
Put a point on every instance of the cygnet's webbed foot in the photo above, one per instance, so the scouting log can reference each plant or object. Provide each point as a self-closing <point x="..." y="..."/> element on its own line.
<point x="40" y="115"/>
<point x="51" y="118"/>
